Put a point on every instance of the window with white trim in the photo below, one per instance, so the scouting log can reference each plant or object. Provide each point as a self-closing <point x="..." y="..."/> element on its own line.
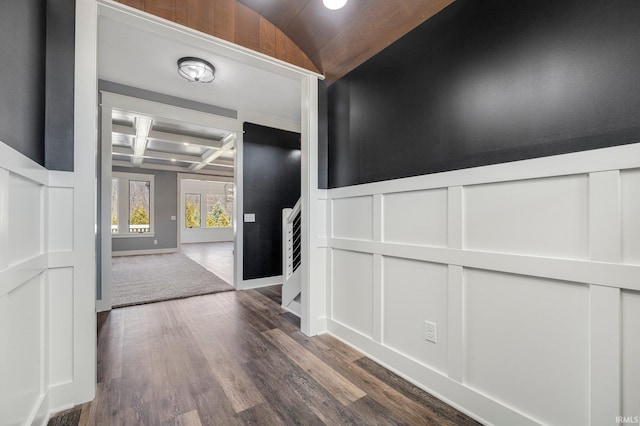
<point x="132" y="205"/>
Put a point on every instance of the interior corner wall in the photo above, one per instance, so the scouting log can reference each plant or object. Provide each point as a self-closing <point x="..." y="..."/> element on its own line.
<point x="165" y="205"/>
<point x="22" y="85"/>
<point x="271" y="182"/>
<point x="489" y="82"/>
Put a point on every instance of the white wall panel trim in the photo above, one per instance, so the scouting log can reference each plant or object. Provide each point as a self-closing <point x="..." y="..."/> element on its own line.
<point x="605" y="354"/>
<point x="470" y="402"/>
<point x="605" y="216"/>
<point x="455" y="321"/>
<point x="528" y="231"/>
<point x="615" y="158"/>
<point x="13" y="161"/>
<point x="58" y="179"/>
<point x="19" y="273"/>
<point x="60" y="259"/>
<point x="600" y="273"/>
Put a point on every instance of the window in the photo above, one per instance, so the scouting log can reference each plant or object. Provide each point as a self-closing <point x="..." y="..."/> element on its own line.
<point x="192" y="210"/>
<point x="114" y="205"/>
<point x="207" y="204"/>
<point x="219" y="211"/>
<point x="132" y="205"/>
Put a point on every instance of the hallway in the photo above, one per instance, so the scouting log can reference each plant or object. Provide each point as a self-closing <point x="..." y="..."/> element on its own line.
<point x="238" y="358"/>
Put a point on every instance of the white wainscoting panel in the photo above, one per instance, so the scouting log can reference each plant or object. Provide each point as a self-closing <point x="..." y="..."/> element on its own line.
<point x="630" y="353"/>
<point x="352" y="290"/>
<point x="60" y="219"/>
<point x="61" y="325"/>
<point x="415" y="292"/>
<point x="514" y="321"/>
<point x="540" y="217"/>
<point x="25" y="217"/>
<point x="39" y="343"/>
<point x="530" y="269"/>
<point x="22" y="351"/>
<point x="630" y="216"/>
<point x="418" y="217"/>
<point x="353" y="218"/>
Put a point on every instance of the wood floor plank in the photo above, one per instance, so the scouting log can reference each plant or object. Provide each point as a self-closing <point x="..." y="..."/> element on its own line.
<point x="343" y="390"/>
<point x="238" y="358"/>
<point x="215" y="409"/>
<point x="192" y="418"/>
<point x="298" y="398"/>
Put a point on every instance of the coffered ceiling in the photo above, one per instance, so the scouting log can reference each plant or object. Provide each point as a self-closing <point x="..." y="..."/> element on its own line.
<point x="150" y="142"/>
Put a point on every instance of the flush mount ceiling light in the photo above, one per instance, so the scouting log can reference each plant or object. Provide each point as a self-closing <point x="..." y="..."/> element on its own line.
<point x="196" y="70"/>
<point x="334" y="4"/>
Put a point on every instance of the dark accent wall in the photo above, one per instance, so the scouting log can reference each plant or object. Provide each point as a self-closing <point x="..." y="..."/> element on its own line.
<point x="271" y="182"/>
<point x="490" y="82"/>
<point x="37" y="46"/>
<point x="59" y="92"/>
<point x="323" y="135"/>
<point x="165" y="205"/>
<point x="22" y="49"/>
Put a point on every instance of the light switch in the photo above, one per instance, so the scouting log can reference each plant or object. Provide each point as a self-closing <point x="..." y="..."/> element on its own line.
<point x="249" y="217"/>
<point x="173" y="218"/>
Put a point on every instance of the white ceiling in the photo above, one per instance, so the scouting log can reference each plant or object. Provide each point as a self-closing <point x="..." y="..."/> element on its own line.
<point x="147" y="60"/>
<point x="138" y="50"/>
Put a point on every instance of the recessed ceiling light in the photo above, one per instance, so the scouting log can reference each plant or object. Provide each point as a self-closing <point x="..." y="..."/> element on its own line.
<point x="334" y="4"/>
<point x="173" y="159"/>
<point x="185" y="143"/>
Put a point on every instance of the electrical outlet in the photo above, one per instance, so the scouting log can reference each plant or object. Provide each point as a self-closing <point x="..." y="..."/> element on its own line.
<point x="431" y="331"/>
<point x="155" y="241"/>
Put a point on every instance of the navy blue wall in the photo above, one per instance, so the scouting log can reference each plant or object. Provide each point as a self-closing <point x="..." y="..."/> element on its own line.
<point x="37" y="46"/>
<point x="59" y="93"/>
<point x="271" y="182"/>
<point x="22" y="49"/>
<point x="486" y="82"/>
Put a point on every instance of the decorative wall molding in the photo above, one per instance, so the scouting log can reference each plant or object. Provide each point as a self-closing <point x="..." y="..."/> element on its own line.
<point x="534" y="277"/>
<point x="37" y="266"/>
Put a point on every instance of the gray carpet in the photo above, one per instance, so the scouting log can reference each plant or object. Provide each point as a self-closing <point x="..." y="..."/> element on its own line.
<point x="153" y="278"/>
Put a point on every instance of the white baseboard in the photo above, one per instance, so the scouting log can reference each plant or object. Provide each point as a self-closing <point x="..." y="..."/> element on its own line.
<point x="467" y="400"/>
<point x="140" y="252"/>
<point x="259" y="282"/>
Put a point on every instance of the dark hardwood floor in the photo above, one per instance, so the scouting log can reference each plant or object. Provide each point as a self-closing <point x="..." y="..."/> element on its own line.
<point x="238" y="358"/>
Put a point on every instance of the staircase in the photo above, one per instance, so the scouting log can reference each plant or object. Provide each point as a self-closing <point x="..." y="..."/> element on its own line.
<point x="291" y="243"/>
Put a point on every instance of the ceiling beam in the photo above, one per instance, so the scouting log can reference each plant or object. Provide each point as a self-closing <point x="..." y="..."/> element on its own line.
<point x="209" y="156"/>
<point x="221" y="174"/>
<point x="169" y="137"/>
<point x="184" y="139"/>
<point x="121" y="150"/>
<point x="143" y="126"/>
<point x="123" y="130"/>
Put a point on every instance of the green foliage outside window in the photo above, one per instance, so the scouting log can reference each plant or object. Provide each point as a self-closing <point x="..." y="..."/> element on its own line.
<point x="139" y="216"/>
<point x="192" y="215"/>
<point x="217" y="217"/>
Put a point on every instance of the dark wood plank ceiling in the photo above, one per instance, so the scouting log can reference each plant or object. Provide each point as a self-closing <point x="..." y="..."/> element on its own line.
<point x="302" y="32"/>
<point x="337" y="41"/>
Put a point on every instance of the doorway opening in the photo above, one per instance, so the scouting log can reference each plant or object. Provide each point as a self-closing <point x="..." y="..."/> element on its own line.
<point x="167" y="178"/>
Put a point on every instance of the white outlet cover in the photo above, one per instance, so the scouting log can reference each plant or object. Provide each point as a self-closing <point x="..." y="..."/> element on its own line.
<point x="173" y="218"/>
<point x="431" y="331"/>
<point x="249" y="217"/>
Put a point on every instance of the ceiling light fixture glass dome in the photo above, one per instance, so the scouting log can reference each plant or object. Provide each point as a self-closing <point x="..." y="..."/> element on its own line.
<point x="334" y="4"/>
<point x="196" y="70"/>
